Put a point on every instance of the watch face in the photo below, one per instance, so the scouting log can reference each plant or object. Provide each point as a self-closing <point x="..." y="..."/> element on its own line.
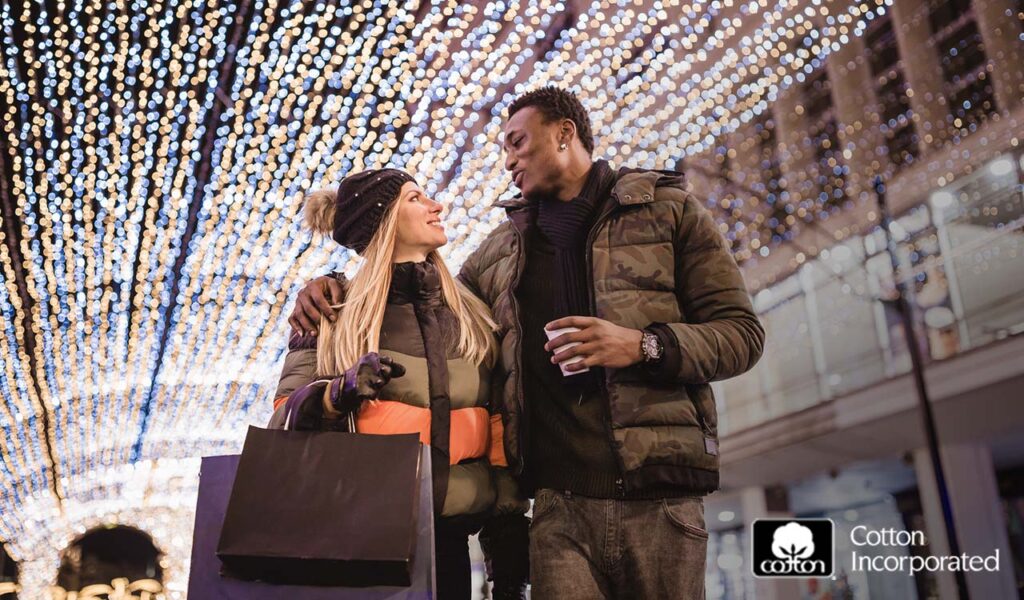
<point x="651" y="348"/>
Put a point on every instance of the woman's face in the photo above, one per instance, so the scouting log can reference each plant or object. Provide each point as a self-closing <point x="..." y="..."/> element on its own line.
<point x="420" y="229"/>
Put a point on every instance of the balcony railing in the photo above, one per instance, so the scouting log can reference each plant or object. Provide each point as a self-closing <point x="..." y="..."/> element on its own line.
<point x="829" y="332"/>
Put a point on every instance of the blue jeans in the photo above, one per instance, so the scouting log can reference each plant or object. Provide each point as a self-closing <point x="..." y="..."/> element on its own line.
<point x="586" y="548"/>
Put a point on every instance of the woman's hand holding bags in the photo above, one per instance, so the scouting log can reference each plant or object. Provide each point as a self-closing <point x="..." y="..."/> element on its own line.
<point x="363" y="381"/>
<point x="338" y="396"/>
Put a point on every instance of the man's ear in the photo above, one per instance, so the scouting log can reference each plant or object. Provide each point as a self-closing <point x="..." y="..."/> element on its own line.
<point x="566" y="131"/>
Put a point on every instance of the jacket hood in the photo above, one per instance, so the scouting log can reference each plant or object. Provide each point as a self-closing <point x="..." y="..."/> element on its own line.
<point x="632" y="186"/>
<point x="636" y="186"/>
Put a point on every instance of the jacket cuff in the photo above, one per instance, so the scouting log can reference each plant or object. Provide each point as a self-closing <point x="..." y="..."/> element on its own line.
<point x="509" y="497"/>
<point x="304" y="409"/>
<point x="667" y="369"/>
<point x="301" y="341"/>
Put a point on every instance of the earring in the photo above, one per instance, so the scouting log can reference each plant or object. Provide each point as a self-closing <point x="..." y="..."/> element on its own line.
<point x="563" y="147"/>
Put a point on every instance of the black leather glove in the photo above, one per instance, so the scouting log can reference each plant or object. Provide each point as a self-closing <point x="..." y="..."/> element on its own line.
<point x="363" y="381"/>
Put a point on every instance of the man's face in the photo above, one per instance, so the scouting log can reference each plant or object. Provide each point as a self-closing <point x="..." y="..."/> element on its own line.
<point x="531" y="154"/>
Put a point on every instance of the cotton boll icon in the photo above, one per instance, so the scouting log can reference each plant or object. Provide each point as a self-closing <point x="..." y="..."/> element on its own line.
<point x="793" y="542"/>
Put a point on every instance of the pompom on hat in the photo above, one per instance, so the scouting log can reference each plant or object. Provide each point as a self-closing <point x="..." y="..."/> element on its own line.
<point x="352" y="214"/>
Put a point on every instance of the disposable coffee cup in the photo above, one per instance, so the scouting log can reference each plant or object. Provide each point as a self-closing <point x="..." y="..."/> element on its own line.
<point x="557" y="332"/>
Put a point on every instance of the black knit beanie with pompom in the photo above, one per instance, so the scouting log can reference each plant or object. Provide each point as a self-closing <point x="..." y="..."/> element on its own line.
<point x="362" y="201"/>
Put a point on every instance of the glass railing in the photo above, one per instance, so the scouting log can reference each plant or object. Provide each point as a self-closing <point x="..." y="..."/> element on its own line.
<point x="829" y="332"/>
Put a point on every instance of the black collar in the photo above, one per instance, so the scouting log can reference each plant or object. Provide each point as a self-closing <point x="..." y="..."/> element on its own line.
<point x="415" y="283"/>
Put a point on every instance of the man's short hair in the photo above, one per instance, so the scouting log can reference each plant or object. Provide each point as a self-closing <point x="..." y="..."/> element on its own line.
<point x="556" y="104"/>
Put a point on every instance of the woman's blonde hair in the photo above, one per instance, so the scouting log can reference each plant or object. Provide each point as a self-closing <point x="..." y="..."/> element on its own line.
<point x="356" y="331"/>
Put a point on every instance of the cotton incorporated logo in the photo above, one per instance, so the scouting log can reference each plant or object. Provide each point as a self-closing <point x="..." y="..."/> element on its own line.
<point x="793" y="548"/>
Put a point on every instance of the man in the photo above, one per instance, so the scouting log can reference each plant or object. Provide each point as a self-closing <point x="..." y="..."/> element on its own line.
<point x="619" y="451"/>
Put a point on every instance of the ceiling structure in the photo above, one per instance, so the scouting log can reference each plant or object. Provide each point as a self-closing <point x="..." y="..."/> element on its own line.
<point x="154" y="155"/>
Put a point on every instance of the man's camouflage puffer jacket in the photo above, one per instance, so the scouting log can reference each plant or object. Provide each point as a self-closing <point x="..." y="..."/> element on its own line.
<point x="654" y="255"/>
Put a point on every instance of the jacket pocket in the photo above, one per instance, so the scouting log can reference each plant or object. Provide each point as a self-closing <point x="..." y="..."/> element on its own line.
<point x="543" y="502"/>
<point x="708" y="422"/>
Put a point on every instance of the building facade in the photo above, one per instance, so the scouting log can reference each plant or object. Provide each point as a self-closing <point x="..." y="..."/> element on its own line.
<point x="927" y="97"/>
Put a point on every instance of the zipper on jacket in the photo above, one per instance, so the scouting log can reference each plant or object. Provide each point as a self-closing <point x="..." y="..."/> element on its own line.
<point x="710" y="442"/>
<point x="514" y="302"/>
<point x="620" y="486"/>
<point x="701" y="421"/>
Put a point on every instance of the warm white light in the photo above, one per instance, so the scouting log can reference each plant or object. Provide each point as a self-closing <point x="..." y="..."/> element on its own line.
<point x="942" y="199"/>
<point x="842" y="253"/>
<point x="1000" y="166"/>
<point x="729" y="561"/>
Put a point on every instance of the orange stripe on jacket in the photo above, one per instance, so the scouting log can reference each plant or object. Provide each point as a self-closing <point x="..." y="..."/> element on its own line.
<point x="470" y="427"/>
<point x="279" y="401"/>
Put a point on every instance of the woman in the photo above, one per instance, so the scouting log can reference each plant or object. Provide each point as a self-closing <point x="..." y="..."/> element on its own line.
<point x="415" y="351"/>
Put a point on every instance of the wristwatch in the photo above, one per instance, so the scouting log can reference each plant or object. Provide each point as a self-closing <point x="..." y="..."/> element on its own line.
<point x="651" y="348"/>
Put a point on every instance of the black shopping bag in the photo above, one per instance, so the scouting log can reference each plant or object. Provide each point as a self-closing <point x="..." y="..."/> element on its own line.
<point x="323" y="508"/>
<point x="206" y="582"/>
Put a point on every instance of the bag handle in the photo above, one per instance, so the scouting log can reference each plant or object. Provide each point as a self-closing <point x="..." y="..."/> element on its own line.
<point x="302" y="395"/>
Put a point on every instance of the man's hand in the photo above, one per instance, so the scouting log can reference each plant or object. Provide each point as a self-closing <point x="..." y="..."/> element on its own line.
<point x="314" y="301"/>
<point x="602" y="343"/>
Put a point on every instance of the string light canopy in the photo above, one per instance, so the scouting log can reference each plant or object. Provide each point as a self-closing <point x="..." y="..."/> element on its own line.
<point x="155" y="153"/>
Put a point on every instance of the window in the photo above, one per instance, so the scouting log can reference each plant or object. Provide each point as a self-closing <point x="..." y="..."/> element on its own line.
<point x="831" y="173"/>
<point x="956" y="38"/>
<point x="724" y="162"/>
<point x="768" y="152"/>
<point x="720" y="172"/>
<point x="771" y="183"/>
<point x="891" y="91"/>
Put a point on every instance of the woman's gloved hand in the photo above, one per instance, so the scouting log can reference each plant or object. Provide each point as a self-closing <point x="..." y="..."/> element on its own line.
<point x="363" y="381"/>
<point x="308" y="406"/>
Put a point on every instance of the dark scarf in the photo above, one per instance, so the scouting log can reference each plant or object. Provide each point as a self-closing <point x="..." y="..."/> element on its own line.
<point x="566" y="225"/>
<point x="419" y="284"/>
<point x="415" y="283"/>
